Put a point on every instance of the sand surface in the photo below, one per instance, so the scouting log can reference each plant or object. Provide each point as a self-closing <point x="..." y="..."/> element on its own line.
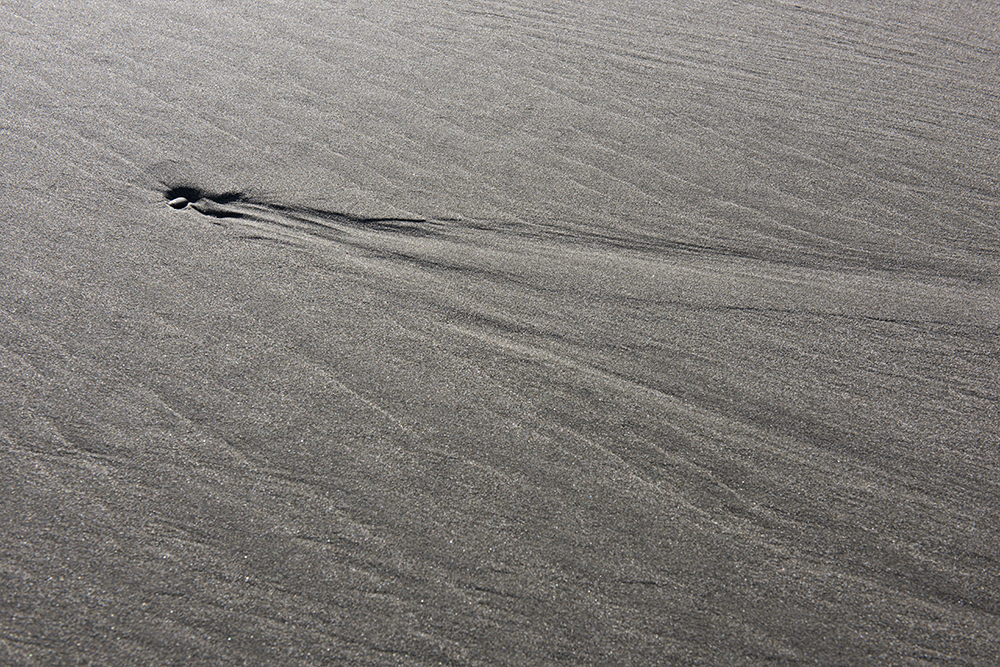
<point x="500" y="332"/>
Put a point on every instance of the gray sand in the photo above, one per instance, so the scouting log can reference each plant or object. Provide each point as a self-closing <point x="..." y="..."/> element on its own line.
<point x="499" y="333"/>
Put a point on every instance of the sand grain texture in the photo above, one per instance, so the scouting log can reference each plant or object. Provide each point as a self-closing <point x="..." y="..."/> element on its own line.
<point x="499" y="333"/>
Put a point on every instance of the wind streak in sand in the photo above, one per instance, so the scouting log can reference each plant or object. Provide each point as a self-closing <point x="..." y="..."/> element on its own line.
<point x="313" y="221"/>
<point x="177" y="182"/>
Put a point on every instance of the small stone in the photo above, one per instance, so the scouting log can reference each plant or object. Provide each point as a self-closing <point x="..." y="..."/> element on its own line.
<point x="180" y="202"/>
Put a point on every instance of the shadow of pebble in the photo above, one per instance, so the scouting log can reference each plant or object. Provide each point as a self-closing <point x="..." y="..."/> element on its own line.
<point x="176" y="180"/>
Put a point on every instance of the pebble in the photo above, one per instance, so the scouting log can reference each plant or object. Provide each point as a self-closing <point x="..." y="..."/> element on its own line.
<point x="180" y="202"/>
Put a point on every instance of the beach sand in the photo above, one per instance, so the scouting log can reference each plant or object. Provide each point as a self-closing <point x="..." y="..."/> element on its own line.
<point x="499" y="333"/>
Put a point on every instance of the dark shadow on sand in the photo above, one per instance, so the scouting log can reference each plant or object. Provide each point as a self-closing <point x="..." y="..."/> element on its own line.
<point x="241" y="205"/>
